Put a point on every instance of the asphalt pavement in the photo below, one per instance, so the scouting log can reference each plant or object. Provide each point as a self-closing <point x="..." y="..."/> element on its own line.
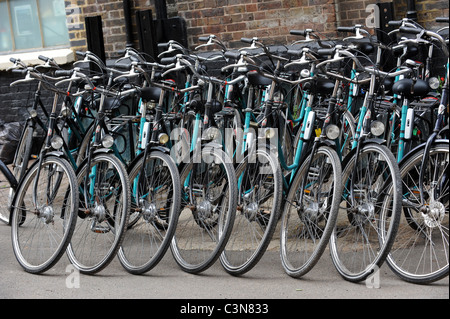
<point x="267" y="281"/>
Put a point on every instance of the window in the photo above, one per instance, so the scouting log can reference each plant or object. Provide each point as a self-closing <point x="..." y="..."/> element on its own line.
<point x="32" y="24"/>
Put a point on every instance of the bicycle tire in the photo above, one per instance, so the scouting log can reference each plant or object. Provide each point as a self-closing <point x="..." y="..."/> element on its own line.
<point x="23" y="153"/>
<point x="102" y="222"/>
<point x="360" y="243"/>
<point x="8" y="186"/>
<point x="420" y="252"/>
<point x="41" y="234"/>
<point x="156" y="204"/>
<point x="259" y="201"/>
<point x="306" y="227"/>
<point x="202" y="233"/>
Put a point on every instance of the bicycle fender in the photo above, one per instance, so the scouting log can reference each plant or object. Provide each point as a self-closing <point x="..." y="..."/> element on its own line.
<point x="158" y="148"/>
<point x="419" y="147"/>
<point x="444" y="129"/>
<point x="326" y="142"/>
<point x="103" y="150"/>
<point x="97" y="151"/>
<point x="379" y="141"/>
<point x="56" y="154"/>
<point x="162" y="149"/>
<point x="363" y="142"/>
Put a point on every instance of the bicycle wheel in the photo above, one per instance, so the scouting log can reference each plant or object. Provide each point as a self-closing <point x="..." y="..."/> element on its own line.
<point x="154" y="213"/>
<point x="43" y="221"/>
<point x="420" y="251"/>
<point x="8" y="185"/>
<point x="360" y="242"/>
<point x="310" y="212"/>
<point x="259" y="200"/>
<point x="103" y="214"/>
<point x="208" y="207"/>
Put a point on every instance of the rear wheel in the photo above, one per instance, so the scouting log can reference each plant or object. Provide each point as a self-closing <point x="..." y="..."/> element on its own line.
<point x="361" y="239"/>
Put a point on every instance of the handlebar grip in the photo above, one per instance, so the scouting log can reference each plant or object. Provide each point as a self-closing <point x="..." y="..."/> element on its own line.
<point x="122" y="66"/>
<point x="294" y="52"/>
<point x="80" y="53"/>
<point x="325" y="52"/>
<point x="19" y="71"/>
<point x="43" y="58"/>
<point x="63" y="73"/>
<point x="12" y="60"/>
<point x="232" y="55"/>
<point x="395" y="23"/>
<point x="247" y="40"/>
<point x="169" y="60"/>
<point x="442" y="19"/>
<point x="203" y="39"/>
<point x="347" y="29"/>
<point x="163" y="46"/>
<point x="298" y="32"/>
<point x="410" y="30"/>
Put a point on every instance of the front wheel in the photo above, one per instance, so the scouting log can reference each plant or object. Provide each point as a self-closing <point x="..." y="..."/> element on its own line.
<point x="310" y="211"/>
<point x="154" y="213"/>
<point x="208" y="207"/>
<point x="103" y="213"/>
<point x="259" y="200"/>
<point x="44" y="214"/>
<point x="361" y="239"/>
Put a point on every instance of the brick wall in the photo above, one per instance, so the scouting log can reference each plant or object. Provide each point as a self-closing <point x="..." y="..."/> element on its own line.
<point x="351" y="12"/>
<point x="270" y="20"/>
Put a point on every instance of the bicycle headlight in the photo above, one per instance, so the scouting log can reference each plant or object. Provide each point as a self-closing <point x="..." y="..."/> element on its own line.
<point x="211" y="133"/>
<point x="163" y="138"/>
<point x="434" y="83"/>
<point x="269" y="132"/>
<point x="65" y="111"/>
<point x="56" y="142"/>
<point x="107" y="141"/>
<point x="33" y="113"/>
<point x="377" y="128"/>
<point x="332" y="131"/>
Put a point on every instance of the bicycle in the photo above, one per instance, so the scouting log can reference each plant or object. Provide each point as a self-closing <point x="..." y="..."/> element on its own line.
<point x="371" y="189"/>
<point x="45" y="204"/>
<point x="208" y="180"/>
<point x="419" y="254"/>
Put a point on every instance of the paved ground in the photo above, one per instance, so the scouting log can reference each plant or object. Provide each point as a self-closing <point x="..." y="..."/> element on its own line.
<point x="166" y="281"/>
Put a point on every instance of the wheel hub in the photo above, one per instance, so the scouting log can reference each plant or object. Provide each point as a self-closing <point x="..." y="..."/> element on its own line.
<point x="204" y="209"/>
<point x="149" y="212"/>
<point x="434" y="214"/>
<point x="99" y="212"/>
<point x="250" y="211"/>
<point x="46" y="214"/>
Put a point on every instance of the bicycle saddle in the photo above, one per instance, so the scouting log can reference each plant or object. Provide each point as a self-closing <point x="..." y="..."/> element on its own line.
<point x="150" y="94"/>
<point x="256" y="79"/>
<point x="319" y="86"/>
<point x="405" y="88"/>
